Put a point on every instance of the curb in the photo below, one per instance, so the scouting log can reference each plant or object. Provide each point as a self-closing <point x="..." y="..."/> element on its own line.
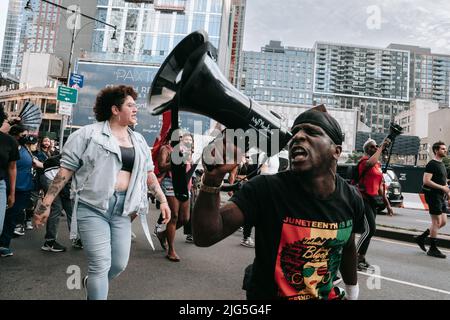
<point x="407" y="236"/>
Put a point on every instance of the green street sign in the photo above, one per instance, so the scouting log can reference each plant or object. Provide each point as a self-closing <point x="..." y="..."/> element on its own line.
<point x="66" y="94"/>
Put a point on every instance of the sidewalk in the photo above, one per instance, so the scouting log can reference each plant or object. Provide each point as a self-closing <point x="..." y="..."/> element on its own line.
<point x="407" y="223"/>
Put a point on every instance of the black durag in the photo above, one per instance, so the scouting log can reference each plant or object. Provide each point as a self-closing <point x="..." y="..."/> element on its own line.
<point x="319" y="116"/>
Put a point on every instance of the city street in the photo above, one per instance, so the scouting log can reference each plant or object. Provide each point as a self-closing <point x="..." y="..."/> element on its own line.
<point x="213" y="273"/>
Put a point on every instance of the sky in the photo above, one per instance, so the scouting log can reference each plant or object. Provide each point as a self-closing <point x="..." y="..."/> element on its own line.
<point x="376" y="23"/>
<point x="300" y="23"/>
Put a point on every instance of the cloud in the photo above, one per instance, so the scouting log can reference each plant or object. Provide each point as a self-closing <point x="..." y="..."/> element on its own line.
<point x="300" y="23"/>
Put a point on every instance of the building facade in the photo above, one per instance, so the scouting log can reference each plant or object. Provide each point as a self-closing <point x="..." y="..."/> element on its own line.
<point x="148" y="31"/>
<point x="31" y="26"/>
<point x="13" y="102"/>
<point x="415" y="120"/>
<point x="430" y="74"/>
<point x="278" y="74"/>
<point x="12" y="37"/>
<point x="373" y="80"/>
<point x="347" y="118"/>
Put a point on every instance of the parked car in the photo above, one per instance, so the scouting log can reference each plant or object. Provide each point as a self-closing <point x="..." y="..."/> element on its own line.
<point x="393" y="187"/>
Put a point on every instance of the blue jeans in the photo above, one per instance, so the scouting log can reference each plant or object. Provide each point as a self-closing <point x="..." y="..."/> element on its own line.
<point x="106" y="242"/>
<point x="2" y="203"/>
<point x="13" y="216"/>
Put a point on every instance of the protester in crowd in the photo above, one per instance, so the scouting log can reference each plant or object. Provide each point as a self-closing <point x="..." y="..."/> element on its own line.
<point x="61" y="202"/>
<point x="37" y="192"/>
<point x="180" y="210"/>
<point x="305" y="218"/>
<point x="9" y="154"/>
<point x="242" y="174"/>
<point x="111" y="169"/>
<point x="436" y="191"/>
<point x="370" y="184"/>
<point x="14" y="215"/>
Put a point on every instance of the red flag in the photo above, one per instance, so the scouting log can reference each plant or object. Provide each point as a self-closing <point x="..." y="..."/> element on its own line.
<point x="165" y="128"/>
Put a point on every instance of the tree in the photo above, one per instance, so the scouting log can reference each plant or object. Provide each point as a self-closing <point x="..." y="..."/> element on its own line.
<point x="354" y="157"/>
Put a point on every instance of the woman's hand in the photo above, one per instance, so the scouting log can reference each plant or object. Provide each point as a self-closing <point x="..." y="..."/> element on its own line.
<point x="165" y="212"/>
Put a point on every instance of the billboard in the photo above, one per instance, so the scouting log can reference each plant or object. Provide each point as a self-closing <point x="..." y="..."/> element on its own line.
<point x="98" y="75"/>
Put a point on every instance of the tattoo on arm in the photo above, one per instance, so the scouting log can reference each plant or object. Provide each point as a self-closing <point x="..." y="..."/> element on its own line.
<point x="57" y="184"/>
<point x="41" y="209"/>
<point x="155" y="188"/>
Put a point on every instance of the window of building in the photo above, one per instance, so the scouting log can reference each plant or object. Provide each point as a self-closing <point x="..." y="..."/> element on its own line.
<point x="129" y="42"/>
<point x="214" y="25"/>
<point x="200" y="5"/>
<point x="132" y="19"/>
<point x="165" y="22"/>
<point x="216" y="6"/>
<point x="101" y="15"/>
<point x="51" y="106"/>
<point x="181" y="23"/>
<point x="198" y="22"/>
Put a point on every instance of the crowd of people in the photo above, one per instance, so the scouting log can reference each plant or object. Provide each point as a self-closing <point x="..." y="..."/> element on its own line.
<point x="304" y="215"/>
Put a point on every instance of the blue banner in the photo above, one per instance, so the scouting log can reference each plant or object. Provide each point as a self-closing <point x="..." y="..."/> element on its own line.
<point x="99" y="75"/>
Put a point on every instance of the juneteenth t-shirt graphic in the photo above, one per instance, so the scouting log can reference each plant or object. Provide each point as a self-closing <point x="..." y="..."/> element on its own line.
<point x="308" y="257"/>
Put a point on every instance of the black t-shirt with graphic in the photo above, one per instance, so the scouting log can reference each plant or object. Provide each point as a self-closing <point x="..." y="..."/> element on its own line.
<point x="299" y="238"/>
<point x="9" y="152"/>
<point x="439" y="172"/>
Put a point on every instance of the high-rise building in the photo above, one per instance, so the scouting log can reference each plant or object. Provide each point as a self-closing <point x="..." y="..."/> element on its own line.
<point x="373" y="80"/>
<point x="236" y="39"/>
<point x="32" y="30"/>
<point x="430" y="74"/>
<point x="41" y="27"/>
<point x="12" y="38"/>
<point x="278" y="74"/>
<point x="147" y="31"/>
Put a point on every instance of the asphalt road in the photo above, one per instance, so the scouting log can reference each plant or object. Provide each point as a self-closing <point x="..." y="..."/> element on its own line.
<point x="213" y="273"/>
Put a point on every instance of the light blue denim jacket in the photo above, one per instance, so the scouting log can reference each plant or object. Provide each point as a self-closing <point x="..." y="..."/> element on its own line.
<point x="93" y="153"/>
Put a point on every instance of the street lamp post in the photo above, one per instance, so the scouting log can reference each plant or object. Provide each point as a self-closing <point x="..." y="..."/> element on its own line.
<point x="72" y="44"/>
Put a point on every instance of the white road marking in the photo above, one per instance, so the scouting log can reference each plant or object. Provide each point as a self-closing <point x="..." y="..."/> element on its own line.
<point x="405" y="283"/>
<point x="403" y="243"/>
<point x="423" y="221"/>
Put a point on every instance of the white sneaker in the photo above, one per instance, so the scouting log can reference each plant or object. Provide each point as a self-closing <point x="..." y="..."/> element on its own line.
<point x="29" y="225"/>
<point x="133" y="236"/>
<point x="19" y="230"/>
<point x="248" y="242"/>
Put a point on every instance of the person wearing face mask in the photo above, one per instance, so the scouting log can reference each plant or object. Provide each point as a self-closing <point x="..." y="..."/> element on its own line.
<point x="307" y="212"/>
<point x="24" y="185"/>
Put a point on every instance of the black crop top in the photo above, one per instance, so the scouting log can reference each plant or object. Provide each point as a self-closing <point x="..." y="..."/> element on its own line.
<point x="127" y="158"/>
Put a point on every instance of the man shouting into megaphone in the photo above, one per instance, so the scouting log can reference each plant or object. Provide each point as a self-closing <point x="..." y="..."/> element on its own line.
<point x="305" y="218"/>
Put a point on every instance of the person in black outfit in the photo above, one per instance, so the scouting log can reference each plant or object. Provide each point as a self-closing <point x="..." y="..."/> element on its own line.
<point x="305" y="218"/>
<point x="9" y="154"/>
<point x="436" y="193"/>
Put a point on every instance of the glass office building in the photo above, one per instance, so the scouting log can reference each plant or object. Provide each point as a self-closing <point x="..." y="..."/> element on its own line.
<point x="35" y="31"/>
<point x="154" y="29"/>
<point x="278" y="74"/>
<point x="12" y="38"/>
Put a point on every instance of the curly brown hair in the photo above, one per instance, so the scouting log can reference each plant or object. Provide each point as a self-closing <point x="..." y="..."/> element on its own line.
<point x="111" y="96"/>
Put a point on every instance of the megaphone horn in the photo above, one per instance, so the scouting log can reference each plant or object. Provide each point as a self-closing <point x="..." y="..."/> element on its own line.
<point x="191" y="80"/>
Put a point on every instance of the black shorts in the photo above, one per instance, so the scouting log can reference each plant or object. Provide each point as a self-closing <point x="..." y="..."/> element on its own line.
<point x="437" y="203"/>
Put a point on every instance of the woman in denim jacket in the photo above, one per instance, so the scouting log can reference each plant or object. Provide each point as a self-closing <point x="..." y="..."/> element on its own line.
<point x="111" y="169"/>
